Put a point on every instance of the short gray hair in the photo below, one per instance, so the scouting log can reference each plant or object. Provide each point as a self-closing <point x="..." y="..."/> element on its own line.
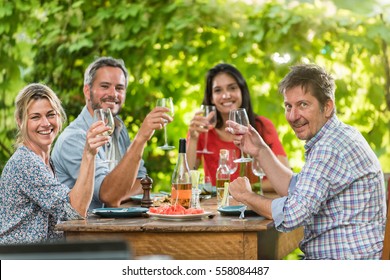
<point x="90" y="72"/>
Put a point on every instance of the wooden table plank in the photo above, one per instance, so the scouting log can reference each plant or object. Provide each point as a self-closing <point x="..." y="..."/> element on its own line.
<point x="193" y="246"/>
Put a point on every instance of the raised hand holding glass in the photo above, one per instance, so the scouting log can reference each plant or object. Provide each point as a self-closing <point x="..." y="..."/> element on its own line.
<point x="168" y="103"/>
<point x="240" y="116"/>
<point x="212" y="121"/>
<point x="106" y="116"/>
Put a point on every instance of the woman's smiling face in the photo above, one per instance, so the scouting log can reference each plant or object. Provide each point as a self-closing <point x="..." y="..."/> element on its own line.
<point x="42" y="124"/>
<point x="226" y="94"/>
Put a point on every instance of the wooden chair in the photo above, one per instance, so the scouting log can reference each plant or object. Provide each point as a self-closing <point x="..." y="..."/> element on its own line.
<point x="387" y="179"/>
<point x="386" y="242"/>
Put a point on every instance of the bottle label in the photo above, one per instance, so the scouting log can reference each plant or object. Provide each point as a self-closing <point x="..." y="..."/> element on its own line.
<point x="181" y="194"/>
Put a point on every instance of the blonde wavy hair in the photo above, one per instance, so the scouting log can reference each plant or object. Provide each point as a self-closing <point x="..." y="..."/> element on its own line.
<point x="26" y="96"/>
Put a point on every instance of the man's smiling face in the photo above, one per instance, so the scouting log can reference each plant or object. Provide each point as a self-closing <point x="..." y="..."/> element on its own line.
<point x="108" y="90"/>
<point x="304" y="113"/>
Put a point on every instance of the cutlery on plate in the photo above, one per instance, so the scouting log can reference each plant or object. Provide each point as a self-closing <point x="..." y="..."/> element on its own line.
<point x="242" y="210"/>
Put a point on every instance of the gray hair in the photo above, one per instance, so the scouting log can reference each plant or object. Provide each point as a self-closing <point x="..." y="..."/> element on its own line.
<point x="90" y="72"/>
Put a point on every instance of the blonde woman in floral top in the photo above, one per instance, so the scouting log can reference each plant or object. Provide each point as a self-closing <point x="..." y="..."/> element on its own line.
<point x="32" y="200"/>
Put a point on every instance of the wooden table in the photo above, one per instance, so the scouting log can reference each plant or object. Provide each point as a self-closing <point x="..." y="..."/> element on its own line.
<point x="219" y="237"/>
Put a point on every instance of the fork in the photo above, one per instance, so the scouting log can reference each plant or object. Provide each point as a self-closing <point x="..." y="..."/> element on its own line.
<point x="242" y="210"/>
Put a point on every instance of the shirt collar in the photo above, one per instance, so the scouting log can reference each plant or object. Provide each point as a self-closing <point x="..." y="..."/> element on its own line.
<point x="331" y="123"/>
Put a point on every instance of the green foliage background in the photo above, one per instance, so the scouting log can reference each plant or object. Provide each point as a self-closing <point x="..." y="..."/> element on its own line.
<point x="169" y="45"/>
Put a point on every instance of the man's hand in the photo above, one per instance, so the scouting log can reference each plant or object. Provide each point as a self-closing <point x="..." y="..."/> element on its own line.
<point x="240" y="188"/>
<point x="246" y="138"/>
<point x="156" y="119"/>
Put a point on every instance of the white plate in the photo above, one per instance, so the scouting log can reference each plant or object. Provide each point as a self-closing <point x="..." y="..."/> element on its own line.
<point x="186" y="217"/>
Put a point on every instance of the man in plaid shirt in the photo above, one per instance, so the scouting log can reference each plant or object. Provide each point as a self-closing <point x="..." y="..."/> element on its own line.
<point x="339" y="195"/>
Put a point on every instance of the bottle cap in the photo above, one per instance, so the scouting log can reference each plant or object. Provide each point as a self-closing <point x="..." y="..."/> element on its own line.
<point x="224" y="153"/>
<point x="182" y="145"/>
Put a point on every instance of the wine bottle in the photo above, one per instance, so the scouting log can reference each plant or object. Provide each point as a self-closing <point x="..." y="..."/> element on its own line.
<point x="181" y="179"/>
<point x="223" y="172"/>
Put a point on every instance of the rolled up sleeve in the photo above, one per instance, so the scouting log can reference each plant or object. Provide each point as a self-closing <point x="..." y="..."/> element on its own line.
<point x="278" y="203"/>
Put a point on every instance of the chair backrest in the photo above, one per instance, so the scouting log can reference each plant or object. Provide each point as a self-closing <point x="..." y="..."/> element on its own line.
<point x="387" y="180"/>
<point x="386" y="242"/>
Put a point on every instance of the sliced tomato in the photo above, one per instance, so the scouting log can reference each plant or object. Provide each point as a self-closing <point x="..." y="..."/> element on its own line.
<point x="174" y="210"/>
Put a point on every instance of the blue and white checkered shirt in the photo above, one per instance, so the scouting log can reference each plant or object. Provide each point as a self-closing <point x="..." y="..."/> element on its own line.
<point x="339" y="197"/>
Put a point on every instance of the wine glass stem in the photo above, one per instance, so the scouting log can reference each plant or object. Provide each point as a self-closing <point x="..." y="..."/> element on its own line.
<point x="205" y="140"/>
<point x="165" y="136"/>
<point x="242" y="153"/>
<point x="107" y="152"/>
<point x="261" y="185"/>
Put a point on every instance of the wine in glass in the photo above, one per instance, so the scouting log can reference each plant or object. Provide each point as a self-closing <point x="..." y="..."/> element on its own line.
<point x="207" y="110"/>
<point x="240" y="116"/>
<point x="168" y="103"/>
<point x="105" y="115"/>
<point x="258" y="171"/>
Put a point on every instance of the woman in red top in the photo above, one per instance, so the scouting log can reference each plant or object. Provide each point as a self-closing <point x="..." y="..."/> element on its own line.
<point x="227" y="89"/>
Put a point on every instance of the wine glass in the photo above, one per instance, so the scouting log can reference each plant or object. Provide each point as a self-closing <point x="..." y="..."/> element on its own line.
<point x="231" y="161"/>
<point x="168" y="103"/>
<point x="258" y="171"/>
<point x="207" y="110"/>
<point x="240" y="116"/>
<point x="105" y="115"/>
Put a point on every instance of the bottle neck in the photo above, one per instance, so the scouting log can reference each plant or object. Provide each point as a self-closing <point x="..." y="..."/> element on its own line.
<point x="223" y="171"/>
<point x="223" y="157"/>
<point x="223" y="160"/>
<point x="181" y="173"/>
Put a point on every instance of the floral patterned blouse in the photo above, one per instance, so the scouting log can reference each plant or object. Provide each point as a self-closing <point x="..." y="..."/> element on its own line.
<point x="32" y="200"/>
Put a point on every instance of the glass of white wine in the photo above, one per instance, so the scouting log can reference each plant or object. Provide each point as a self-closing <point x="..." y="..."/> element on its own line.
<point x="258" y="171"/>
<point x="168" y="103"/>
<point x="233" y="165"/>
<point x="105" y="115"/>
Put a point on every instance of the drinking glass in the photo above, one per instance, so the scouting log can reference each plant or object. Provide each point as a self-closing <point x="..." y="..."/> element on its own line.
<point x="168" y="103"/>
<point x="240" y="116"/>
<point x="258" y="171"/>
<point x="207" y="110"/>
<point x="231" y="161"/>
<point x="195" y="199"/>
<point x="206" y="186"/>
<point x="105" y="115"/>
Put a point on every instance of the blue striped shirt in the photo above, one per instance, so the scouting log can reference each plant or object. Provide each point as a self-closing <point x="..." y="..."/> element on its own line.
<point x="339" y="197"/>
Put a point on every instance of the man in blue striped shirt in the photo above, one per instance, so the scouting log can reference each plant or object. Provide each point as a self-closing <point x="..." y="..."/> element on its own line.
<point x="339" y="195"/>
